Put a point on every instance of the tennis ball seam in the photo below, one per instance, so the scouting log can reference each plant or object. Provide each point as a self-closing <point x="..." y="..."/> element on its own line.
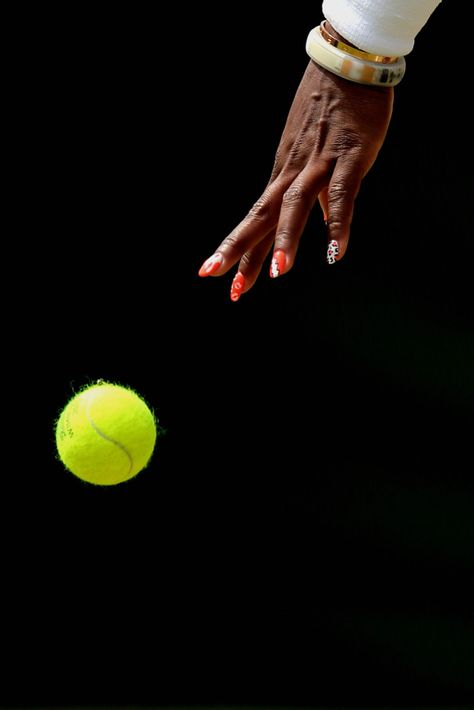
<point x="109" y="438"/>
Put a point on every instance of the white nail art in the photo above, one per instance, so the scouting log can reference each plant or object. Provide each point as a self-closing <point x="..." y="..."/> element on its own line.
<point x="333" y="251"/>
<point x="212" y="262"/>
<point x="274" y="268"/>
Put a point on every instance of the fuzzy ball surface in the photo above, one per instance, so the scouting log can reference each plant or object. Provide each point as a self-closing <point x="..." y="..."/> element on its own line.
<point x="106" y="434"/>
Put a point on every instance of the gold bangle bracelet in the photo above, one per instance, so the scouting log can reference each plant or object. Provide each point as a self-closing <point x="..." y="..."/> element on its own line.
<point x="353" y="50"/>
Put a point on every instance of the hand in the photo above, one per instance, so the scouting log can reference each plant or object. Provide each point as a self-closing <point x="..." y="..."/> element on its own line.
<point x="334" y="131"/>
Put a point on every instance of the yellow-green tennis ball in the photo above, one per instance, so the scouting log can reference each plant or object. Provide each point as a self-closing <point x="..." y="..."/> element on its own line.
<point x="106" y="434"/>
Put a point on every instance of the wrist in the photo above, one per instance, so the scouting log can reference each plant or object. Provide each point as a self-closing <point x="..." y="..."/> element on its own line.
<point x="350" y="62"/>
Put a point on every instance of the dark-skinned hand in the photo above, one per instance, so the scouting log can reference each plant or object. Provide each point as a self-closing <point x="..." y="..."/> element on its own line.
<point x="333" y="133"/>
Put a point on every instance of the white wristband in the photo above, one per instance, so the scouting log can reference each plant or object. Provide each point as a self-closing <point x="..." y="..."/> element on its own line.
<point x="351" y="67"/>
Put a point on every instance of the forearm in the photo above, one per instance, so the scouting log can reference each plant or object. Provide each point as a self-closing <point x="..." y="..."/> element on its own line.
<point x="386" y="27"/>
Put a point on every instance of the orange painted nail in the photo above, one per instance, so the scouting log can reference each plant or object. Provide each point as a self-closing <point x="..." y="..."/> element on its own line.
<point x="237" y="286"/>
<point x="211" y="265"/>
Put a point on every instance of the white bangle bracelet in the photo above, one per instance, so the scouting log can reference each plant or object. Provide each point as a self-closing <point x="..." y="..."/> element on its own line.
<point x="351" y="67"/>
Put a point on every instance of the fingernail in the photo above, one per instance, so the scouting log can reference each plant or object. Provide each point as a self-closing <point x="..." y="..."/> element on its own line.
<point x="333" y="251"/>
<point x="211" y="265"/>
<point x="278" y="264"/>
<point x="237" y="286"/>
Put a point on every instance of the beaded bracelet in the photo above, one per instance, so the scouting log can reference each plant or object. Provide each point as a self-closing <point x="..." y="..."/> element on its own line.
<point x="351" y="66"/>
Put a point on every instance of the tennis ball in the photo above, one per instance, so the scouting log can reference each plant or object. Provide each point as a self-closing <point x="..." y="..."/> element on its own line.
<point x="106" y="434"/>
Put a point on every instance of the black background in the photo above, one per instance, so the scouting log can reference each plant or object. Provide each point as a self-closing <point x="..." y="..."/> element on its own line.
<point x="304" y="533"/>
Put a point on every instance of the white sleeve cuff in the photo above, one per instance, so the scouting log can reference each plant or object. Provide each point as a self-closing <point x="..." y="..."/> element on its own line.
<point x="387" y="27"/>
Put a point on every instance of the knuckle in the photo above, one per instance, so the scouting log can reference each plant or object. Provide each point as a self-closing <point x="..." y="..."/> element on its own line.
<point x="336" y="224"/>
<point x="347" y="142"/>
<point x="293" y="195"/>
<point x="260" y="210"/>
<point x="231" y="241"/>
<point x="283" y="238"/>
<point x="338" y="192"/>
<point x="246" y="260"/>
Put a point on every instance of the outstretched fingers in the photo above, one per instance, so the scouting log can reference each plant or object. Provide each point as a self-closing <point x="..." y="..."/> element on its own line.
<point x="259" y="222"/>
<point x="297" y="201"/>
